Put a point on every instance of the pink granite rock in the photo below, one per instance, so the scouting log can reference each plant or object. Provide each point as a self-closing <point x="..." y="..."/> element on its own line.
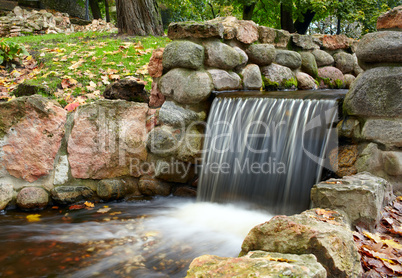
<point x="391" y="19"/>
<point x="155" y="67"/>
<point x="245" y="31"/>
<point x="31" y="129"/>
<point x="157" y="98"/>
<point x="331" y="77"/>
<point x="107" y="138"/>
<point x="335" y="42"/>
<point x="32" y="198"/>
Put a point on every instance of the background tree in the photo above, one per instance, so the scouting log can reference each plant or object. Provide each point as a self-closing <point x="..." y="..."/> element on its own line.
<point x="139" y="17"/>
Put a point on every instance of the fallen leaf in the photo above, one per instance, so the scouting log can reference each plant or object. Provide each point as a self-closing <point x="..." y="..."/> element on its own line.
<point x="33" y="217"/>
<point x="103" y="210"/>
<point x="72" y="106"/>
<point x="89" y="204"/>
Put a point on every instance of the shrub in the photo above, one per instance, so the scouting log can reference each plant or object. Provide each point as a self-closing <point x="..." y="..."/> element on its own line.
<point x="11" y="50"/>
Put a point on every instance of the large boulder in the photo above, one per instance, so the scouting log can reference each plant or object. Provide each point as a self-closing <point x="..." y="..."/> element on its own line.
<point x="150" y="186"/>
<point x="187" y="86"/>
<point x="335" y="42"/>
<point x="176" y="115"/>
<point x="305" y="81"/>
<point x="288" y="58"/>
<point x="245" y="31"/>
<point x="105" y="138"/>
<point x="224" y="80"/>
<point x="257" y="264"/>
<point x="376" y="93"/>
<point x="277" y="77"/>
<point x="221" y="56"/>
<point x="243" y="58"/>
<point x="127" y="89"/>
<point x="6" y="195"/>
<point x="279" y="38"/>
<point x="191" y="29"/>
<point x="309" y="65"/>
<point x="32" y="198"/>
<point x="331" y="77"/>
<point x="360" y="197"/>
<point x="183" y="54"/>
<point x="111" y="189"/>
<point x="172" y="170"/>
<point x="261" y="54"/>
<point x="392" y="163"/>
<point x="383" y="131"/>
<point x="304" y="42"/>
<point x="380" y="47"/>
<point x="191" y="146"/>
<point x="71" y="194"/>
<point x="344" y="62"/>
<point x="31" y="130"/>
<point x="349" y="79"/>
<point x="323" y="58"/>
<point x="163" y="141"/>
<point x="319" y="232"/>
<point x="252" y="79"/>
<point x="391" y="20"/>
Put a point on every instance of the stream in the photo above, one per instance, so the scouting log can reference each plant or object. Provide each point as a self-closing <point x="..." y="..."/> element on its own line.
<point x="156" y="238"/>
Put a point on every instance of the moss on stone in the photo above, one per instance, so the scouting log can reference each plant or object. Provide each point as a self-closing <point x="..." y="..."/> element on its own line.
<point x="269" y="85"/>
<point x="289" y="83"/>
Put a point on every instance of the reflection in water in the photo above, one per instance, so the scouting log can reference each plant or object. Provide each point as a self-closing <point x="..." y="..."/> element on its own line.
<point x="146" y="239"/>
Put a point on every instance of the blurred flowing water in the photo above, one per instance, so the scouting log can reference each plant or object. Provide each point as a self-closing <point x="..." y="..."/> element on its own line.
<point x="157" y="238"/>
<point x="266" y="151"/>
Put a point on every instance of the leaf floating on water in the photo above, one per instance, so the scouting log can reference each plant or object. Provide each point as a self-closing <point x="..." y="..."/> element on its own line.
<point x="75" y="207"/>
<point x="103" y="210"/>
<point x="33" y="217"/>
<point x="89" y="204"/>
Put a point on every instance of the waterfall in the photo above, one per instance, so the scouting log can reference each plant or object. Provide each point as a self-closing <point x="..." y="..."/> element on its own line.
<point x="266" y="152"/>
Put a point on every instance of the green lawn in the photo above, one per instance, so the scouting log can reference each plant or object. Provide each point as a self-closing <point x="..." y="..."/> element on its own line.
<point x="79" y="66"/>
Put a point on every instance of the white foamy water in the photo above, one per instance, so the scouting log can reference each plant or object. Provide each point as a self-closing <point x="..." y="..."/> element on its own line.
<point x="173" y="230"/>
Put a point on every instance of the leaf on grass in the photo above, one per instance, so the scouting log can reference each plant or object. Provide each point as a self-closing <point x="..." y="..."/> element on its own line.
<point x="68" y="83"/>
<point x="114" y="76"/>
<point x="77" y="64"/>
<point x="33" y="217"/>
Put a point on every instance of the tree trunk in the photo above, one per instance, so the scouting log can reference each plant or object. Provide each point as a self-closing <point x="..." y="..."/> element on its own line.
<point x="96" y="13"/>
<point x="302" y="26"/>
<point x="287" y="18"/>
<point x="139" y="17"/>
<point x="248" y="11"/>
<point x="107" y="10"/>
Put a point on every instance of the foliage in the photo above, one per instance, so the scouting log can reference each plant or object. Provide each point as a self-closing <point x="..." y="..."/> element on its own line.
<point x="78" y="67"/>
<point x="10" y="51"/>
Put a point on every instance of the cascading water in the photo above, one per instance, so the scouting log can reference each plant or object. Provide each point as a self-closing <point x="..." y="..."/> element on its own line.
<point x="265" y="151"/>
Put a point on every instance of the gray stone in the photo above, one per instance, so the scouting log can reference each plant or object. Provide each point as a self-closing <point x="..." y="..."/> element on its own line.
<point x="277" y="77"/>
<point x="224" y="80"/>
<point x="150" y="186"/>
<point x="191" y="145"/>
<point x="370" y="159"/>
<point x="71" y="194"/>
<point x="186" y="86"/>
<point x="175" y="115"/>
<point x="317" y="232"/>
<point x="221" y="56"/>
<point x="392" y="163"/>
<point x="111" y="189"/>
<point x="349" y="128"/>
<point x="331" y="77"/>
<point x="127" y="89"/>
<point x="380" y="47"/>
<point x="257" y="264"/>
<point x="323" y="58"/>
<point x="279" y="38"/>
<point x="382" y="131"/>
<point x="183" y="54"/>
<point x="261" y="54"/>
<point x="376" y="93"/>
<point x="61" y="171"/>
<point x="344" y="62"/>
<point x="32" y="198"/>
<point x="163" y="141"/>
<point x="360" y="197"/>
<point x="288" y="58"/>
<point x="356" y="68"/>
<point x="6" y="195"/>
<point x="305" y="81"/>
<point x="192" y="29"/>
<point x="252" y="79"/>
<point x="304" y="42"/>
<point x="349" y="79"/>
<point x="172" y="170"/>
<point x="243" y="58"/>
<point x="309" y="65"/>
<point x="185" y="191"/>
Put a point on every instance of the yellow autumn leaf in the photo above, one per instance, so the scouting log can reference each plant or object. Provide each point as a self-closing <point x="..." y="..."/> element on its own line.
<point x="89" y="204"/>
<point x="375" y="237"/>
<point x="33" y="217"/>
<point x="393" y="244"/>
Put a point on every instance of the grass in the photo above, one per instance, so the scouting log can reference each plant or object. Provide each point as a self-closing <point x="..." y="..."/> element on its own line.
<point x="87" y="62"/>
